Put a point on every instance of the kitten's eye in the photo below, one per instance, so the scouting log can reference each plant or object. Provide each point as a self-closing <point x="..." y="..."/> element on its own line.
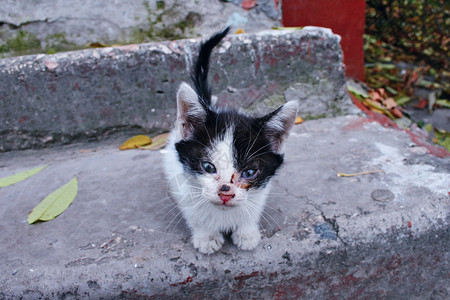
<point x="208" y="167"/>
<point x="249" y="173"/>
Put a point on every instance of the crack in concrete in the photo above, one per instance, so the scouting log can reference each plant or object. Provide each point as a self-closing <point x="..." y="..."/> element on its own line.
<point x="334" y="225"/>
<point x="19" y="25"/>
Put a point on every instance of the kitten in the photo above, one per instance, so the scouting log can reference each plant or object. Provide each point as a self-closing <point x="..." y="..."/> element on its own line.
<point x="220" y="161"/>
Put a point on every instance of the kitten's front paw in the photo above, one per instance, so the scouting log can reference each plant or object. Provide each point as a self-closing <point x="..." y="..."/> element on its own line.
<point x="246" y="239"/>
<point x="208" y="244"/>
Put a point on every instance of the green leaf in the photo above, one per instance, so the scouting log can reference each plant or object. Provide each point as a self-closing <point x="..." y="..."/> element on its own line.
<point x="10" y="180"/>
<point x="443" y="103"/>
<point x="442" y="138"/>
<point x="55" y="203"/>
<point x="402" y="100"/>
<point x="357" y="90"/>
<point x="428" y="128"/>
<point x="391" y="90"/>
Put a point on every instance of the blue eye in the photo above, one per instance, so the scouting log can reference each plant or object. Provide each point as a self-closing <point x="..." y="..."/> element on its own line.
<point x="249" y="173"/>
<point x="208" y="167"/>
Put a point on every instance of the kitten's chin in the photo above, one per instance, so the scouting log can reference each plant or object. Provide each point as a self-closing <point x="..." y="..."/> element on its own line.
<point x="224" y="206"/>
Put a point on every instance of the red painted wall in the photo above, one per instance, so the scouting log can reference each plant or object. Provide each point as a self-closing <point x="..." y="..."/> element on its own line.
<point x="344" y="17"/>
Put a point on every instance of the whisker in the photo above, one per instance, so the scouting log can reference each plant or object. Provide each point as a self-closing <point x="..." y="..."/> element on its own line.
<point x="207" y="132"/>
<point x="274" y="209"/>
<point x="177" y="224"/>
<point x="262" y="215"/>
<point x="254" y="141"/>
<point x="174" y="218"/>
<point x="254" y="153"/>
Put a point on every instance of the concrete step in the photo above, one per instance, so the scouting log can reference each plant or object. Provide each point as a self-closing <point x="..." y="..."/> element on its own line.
<point x="380" y="235"/>
<point x="83" y="95"/>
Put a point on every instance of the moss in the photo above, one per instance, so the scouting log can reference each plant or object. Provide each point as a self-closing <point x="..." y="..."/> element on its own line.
<point x="314" y="117"/>
<point x="157" y="30"/>
<point x="58" y="42"/>
<point x="23" y="43"/>
<point x="160" y="4"/>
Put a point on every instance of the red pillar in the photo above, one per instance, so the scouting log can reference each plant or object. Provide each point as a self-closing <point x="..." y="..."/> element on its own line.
<point x="344" y="17"/>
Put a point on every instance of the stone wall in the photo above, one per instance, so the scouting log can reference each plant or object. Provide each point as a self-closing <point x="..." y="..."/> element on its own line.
<point x="61" y="98"/>
<point x="49" y="26"/>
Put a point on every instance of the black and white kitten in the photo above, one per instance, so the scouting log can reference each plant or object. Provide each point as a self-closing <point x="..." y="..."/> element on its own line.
<point x="220" y="161"/>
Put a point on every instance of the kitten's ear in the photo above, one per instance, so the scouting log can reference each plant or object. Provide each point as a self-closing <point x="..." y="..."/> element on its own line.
<point x="279" y="123"/>
<point x="190" y="113"/>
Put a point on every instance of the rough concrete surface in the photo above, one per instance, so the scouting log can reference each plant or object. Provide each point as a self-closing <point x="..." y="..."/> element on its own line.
<point x="49" y="25"/>
<point x="56" y="99"/>
<point x="379" y="235"/>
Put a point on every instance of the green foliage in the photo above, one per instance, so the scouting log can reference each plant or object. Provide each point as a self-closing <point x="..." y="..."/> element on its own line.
<point x="21" y="43"/>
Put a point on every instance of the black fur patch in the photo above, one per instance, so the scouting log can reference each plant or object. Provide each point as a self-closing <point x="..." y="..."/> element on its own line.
<point x="251" y="148"/>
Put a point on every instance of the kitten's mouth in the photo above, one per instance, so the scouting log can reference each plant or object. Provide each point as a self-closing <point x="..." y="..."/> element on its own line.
<point x="226" y="198"/>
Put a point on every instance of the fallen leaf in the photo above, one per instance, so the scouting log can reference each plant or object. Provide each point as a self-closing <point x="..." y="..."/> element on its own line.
<point x="391" y="90"/>
<point x="239" y="31"/>
<point x="428" y="128"/>
<point x="357" y="89"/>
<point x="442" y="138"/>
<point x="443" y="103"/>
<point x="55" y="203"/>
<point x="10" y="180"/>
<point x="97" y="45"/>
<point x="339" y="174"/>
<point x="158" y="142"/>
<point x="287" y="28"/>
<point x="402" y="100"/>
<point x="389" y="103"/>
<point x="298" y="120"/>
<point x="397" y="112"/>
<point x="136" y="142"/>
<point x="375" y="95"/>
<point x="421" y="104"/>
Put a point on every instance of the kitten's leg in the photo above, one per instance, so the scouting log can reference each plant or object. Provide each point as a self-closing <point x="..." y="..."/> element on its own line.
<point x="207" y="242"/>
<point x="246" y="237"/>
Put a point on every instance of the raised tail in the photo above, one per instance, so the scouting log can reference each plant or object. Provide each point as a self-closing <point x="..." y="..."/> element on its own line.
<point x="200" y="74"/>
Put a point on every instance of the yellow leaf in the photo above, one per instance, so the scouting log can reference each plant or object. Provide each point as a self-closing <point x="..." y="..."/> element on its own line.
<point x="298" y="120"/>
<point x="10" y="180"/>
<point x="239" y="31"/>
<point x="136" y="142"/>
<point x="158" y="142"/>
<point x="55" y="203"/>
<point x="339" y="174"/>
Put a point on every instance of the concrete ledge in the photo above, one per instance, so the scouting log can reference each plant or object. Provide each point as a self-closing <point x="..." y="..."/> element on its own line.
<point x="56" y="99"/>
<point x="380" y="235"/>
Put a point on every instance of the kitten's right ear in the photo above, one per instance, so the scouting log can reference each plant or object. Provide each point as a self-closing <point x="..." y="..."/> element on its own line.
<point x="190" y="113"/>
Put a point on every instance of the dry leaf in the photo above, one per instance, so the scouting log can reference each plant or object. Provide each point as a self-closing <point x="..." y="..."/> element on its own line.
<point x="55" y="203"/>
<point x="298" y="120"/>
<point x="389" y="103"/>
<point x="158" y="142"/>
<point x="339" y="174"/>
<point x="239" y="31"/>
<point x="10" y="180"/>
<point x="136" y="142"/>
<point x="397" y="112"/>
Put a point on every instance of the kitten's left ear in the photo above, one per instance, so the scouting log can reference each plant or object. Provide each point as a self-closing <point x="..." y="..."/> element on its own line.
<point x="190" y="113"/>
<point x="279" y="123"/>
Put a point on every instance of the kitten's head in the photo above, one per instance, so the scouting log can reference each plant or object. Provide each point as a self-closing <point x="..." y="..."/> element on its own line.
<point x="232" y="155"/>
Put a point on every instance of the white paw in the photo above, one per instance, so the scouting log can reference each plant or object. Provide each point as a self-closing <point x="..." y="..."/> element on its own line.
<point x="246" y="239"/>
<point x="208" y="244"/>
